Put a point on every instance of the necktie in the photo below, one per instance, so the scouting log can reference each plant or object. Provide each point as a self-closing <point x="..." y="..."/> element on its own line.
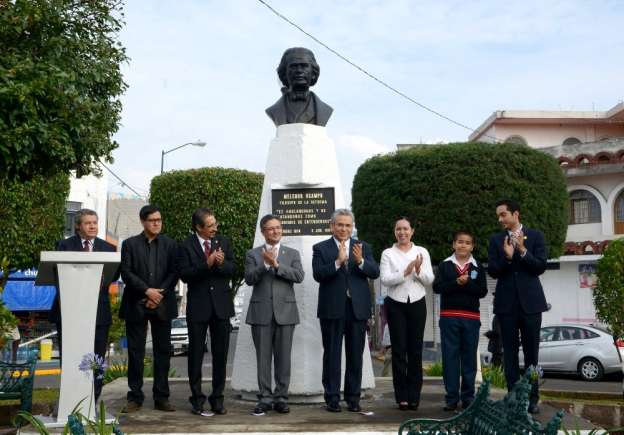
<point x="85" y="246"/>
<point x="207" y="248"/>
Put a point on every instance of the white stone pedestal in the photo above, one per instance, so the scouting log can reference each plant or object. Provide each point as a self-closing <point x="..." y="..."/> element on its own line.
<point x="300" y="156"/>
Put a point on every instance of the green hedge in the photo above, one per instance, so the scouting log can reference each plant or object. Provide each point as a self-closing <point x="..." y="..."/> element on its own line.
<point x="32" y="218"/>
<point x="443" y="188"/>
<point x="609" y="293"/>
<point x="232" y="194"/>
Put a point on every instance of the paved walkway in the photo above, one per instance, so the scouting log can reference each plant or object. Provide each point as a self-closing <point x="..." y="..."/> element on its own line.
<point x="386" y="417"/>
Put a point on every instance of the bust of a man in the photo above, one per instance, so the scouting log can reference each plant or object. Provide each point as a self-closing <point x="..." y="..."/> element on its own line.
<point x="298" y="71"/>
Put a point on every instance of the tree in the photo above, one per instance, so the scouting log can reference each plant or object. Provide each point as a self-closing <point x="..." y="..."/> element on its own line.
<point x="444" y="188"/>
<point x="32" y="217"/>
<point x="609" y="293"/>
<point x="60" y="82"/>
<point x="232" y="194"/>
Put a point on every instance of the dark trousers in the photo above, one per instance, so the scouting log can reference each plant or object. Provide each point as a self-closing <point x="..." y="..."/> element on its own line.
<point x="219" y="345"/>
<point x="406" y="322"/>
<point x="332" y="332"/>
<point x="460" y="339"/>
<point x="273" y="342"/>
<point x="161" y="344"/>
<point x="528" y="325"/>
<point x="99" y="348"/>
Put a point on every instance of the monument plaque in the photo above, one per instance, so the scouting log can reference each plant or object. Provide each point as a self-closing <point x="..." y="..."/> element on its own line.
<point x="304" y="212"/>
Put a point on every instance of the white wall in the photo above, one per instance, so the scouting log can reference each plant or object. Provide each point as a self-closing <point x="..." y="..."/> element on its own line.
<point x="570" y="302"/>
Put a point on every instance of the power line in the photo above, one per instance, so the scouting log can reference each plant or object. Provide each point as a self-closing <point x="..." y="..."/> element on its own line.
<point x="123" y="183"/>
<point x="363" y="71"/>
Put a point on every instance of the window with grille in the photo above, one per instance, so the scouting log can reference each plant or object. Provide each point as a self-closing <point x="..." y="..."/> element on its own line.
<point x="584" y="208"/>
<point x="571" y="141"/>
<point x="619" y="208"/>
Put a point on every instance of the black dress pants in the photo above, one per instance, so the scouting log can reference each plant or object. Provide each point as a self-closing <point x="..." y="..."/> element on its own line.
<point x="406" y="323"/>
<point x="528" y="325"/>
<point x="161" y="344"/>
<point x="332" y="332"/>
<point x="219" y="344"/>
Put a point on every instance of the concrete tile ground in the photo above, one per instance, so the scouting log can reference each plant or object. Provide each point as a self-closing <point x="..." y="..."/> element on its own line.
<point x="310" y="418"/>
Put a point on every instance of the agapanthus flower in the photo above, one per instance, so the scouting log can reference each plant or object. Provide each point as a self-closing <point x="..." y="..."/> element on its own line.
<point x="93" y="364"/>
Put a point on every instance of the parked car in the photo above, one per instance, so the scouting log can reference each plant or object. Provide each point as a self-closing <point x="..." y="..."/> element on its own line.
<point x="587" y="350"/>
<point x="179" y="336"/>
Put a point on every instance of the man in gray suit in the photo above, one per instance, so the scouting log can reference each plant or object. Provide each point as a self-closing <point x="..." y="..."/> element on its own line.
<point x="272" y="269"/>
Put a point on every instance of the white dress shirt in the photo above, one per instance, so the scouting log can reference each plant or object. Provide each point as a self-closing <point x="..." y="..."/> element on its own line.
<point x="401" y="287"/>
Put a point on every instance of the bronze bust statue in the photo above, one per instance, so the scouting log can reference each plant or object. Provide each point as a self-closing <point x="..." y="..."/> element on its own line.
<point x="298" y="71"/>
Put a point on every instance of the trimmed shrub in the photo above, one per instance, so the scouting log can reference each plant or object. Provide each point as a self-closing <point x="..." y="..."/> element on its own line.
<point x="609" y="293"/>
<point x="232" y="194"/>
<point x="444" y="188"/>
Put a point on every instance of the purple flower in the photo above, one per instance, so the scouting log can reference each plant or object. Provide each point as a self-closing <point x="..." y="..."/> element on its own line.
<point x="93" y="364"/>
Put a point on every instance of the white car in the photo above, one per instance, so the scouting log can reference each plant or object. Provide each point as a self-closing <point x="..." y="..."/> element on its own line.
<point x="587" y="350"/>
<point x="179" y="336"/>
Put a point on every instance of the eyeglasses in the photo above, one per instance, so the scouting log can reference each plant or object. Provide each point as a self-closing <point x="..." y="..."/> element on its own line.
<point x="154" y="221"/>
<point x="277" y="228"/>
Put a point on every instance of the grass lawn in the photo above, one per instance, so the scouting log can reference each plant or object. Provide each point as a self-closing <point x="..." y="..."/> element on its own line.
<point x="40" y="395"/>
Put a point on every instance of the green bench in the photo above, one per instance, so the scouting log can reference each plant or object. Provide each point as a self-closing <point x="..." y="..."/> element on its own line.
<point x="485" y="416"/>
<point x="16" y="380"/>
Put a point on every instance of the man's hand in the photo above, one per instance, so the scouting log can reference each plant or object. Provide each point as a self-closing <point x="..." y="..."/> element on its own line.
<point x="270" y="257"/>
<point x="520" y="243"/>
<point x="357" y="253"/>
<point x="463" y="279"/>
<point x="150" y="304"/>
<point x="212" y="258"/>
<point x="219" y="256"/>
<point x="508" y="248"/>
<point x="154" y="295"/>
<point x="342" y="254"/>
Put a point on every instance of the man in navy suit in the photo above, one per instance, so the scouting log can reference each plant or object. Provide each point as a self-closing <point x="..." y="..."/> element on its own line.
<point x="343" y="266"/>
<point x="516" y="258"/>
<point x="86" y="239"/>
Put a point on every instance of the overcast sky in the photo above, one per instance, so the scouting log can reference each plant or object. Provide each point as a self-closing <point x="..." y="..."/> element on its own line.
<point x="206" y="70"/>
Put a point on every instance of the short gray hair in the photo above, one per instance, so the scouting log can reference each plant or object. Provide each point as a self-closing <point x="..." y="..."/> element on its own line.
<point x="81" y="213"/>
<point x="341" y="212"/>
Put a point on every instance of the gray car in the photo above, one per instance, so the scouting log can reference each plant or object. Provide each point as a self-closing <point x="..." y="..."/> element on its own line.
<point x="583" y="349"/>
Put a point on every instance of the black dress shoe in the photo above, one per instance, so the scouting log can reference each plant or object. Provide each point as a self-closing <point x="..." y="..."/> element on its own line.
<point x="466" y="404"/>
<point x="533" y="408"/>
<point x="333" y="407"/>
<point x="197" y="411"/>
<point x="403" y="406"/>
<point x="163" y="405"/>
<point x="450" y="407"/>
<point x="354" y="407"/>
<point x="413" y="406"/>
<point x="261" y="409"/>
<point x="130" y="407"/>
<point x="281" y="407"/>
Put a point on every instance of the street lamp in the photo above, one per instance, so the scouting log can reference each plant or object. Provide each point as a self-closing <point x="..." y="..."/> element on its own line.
<point x="197" y="143"/>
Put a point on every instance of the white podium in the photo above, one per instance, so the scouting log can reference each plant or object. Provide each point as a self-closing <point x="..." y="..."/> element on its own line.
<point x="78" y="276"/>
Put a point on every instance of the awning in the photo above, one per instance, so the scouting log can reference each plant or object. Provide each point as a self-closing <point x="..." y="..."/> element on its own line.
<point x="21" y="293"/>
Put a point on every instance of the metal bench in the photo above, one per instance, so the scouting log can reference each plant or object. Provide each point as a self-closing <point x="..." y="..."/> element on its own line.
<point x="16" y="380"/>
<point x="484" y="416"/>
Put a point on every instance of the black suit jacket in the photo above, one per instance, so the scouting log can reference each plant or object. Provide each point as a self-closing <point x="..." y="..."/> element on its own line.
<point x="74" y="243"/>
<point x="333" y="283"/>
<point x="209" y="289"/>
<point x="518" y="279"/>
<point x="135" y="275"/>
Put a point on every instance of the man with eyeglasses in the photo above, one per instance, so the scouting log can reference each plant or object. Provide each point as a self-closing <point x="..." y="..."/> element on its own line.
<point x="206" y="265"/>
<point x="272" y="269"/>
<point x="148" y="270"/>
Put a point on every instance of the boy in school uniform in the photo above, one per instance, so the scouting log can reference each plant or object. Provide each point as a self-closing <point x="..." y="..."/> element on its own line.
<point x="461" y="282"/>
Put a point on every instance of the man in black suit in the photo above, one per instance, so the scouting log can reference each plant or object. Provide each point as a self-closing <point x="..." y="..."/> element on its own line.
<point x="86" y="240"/>
<point x="516" y="258"/>
<point x="343" y="266"/>
<point x="206" y="265"/>
<point x="148" y="270"/>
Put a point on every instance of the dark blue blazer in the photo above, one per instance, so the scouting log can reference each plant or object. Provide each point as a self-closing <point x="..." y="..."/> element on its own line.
<point x="518" y="279"/>
<point x="74" y="243"/>
<point x="333" y="283"/>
